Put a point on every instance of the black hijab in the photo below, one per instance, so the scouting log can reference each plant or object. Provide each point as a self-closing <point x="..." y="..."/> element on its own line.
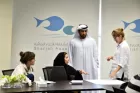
<point x="59" y="60"/>
<point x="71" y="72"/>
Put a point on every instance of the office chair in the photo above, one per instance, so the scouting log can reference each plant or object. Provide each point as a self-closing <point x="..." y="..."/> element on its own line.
<point x="55" y="73"/>
<point x="47" y="72"/>
<point x="7" y="72"/>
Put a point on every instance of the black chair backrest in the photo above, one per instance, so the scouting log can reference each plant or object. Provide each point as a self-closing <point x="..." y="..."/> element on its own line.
<point x="47" y="72"/>
<point x="7" y="72"/>
<point x="56" y="73"/>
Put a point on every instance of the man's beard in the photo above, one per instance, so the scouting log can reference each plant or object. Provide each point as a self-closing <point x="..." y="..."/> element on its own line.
<point x="83" y="36"/>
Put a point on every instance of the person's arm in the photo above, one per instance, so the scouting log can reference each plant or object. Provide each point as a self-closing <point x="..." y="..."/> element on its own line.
<point x="117" y="69"/>
<point x="20" y="70"/>
<point x="71" y="72"/>
<point x="70" y="53"/>
<point x="124" y="57"/>
<point x="113" y="74"/>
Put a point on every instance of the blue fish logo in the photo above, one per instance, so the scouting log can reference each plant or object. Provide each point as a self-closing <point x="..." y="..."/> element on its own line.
<point x="137" y="24"/>
<point x="56" y="23"/>
<point x="68" y="30"/>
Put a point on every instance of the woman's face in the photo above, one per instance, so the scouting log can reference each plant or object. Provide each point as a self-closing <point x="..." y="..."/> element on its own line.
<point x="32" y="62"/>
<point x="118" y="39"/>
<point x="66" y="59"/>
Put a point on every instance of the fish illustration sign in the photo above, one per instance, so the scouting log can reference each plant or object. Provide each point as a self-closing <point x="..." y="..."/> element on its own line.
<point x="56" y="24"/>
<point x="137" y="25"/>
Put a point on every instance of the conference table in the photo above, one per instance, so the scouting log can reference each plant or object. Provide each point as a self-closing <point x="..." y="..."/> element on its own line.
<point x="60" y="86"/>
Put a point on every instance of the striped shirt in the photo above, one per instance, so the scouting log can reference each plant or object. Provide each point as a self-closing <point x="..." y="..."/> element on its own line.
<point x="133" y="85"/>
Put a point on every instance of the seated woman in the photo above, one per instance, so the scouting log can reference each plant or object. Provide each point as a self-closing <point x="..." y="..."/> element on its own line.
<point x="25" y="67"/>
<point x="62" y="59"/>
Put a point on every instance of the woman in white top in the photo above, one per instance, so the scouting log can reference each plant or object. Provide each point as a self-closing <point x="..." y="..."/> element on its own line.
<point x="119" y="69"/>
<point x="25" y="67"/>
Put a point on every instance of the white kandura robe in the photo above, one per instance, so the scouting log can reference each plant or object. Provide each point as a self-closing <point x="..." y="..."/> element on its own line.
<point x="84" y="56"/>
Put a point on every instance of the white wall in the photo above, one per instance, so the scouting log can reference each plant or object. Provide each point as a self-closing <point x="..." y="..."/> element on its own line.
<point x="5" y="33"/>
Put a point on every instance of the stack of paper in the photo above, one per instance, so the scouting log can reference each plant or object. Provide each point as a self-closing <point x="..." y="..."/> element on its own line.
<point x="49" y="82"/>
<point x="106" y="82"/>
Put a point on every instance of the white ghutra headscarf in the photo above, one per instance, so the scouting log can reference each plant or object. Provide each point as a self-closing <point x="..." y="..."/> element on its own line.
<point x="81" y="27"/>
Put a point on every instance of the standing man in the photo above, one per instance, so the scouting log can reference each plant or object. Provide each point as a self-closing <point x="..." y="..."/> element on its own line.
<point x="83" y="52"/>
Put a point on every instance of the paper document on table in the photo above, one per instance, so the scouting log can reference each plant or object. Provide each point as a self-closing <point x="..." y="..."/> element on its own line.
<point x="46" y="82"/>
<point x="106" y="82"/>
<point x="49" y="82"/>
<point x="76" y="82"/>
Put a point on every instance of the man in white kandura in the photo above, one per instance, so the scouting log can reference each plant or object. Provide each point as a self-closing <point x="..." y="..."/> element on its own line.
<point x="83" y="52"/>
